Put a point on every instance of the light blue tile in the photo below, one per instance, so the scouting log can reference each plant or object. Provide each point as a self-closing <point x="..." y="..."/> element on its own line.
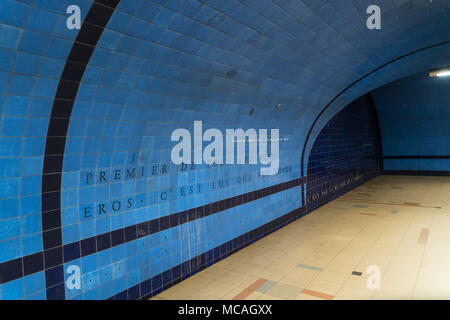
<point x="13" y="290"/>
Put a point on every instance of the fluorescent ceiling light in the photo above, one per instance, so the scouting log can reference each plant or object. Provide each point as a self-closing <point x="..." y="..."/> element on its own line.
<point x="440" y="73"/>
<point x="445" y="73"/>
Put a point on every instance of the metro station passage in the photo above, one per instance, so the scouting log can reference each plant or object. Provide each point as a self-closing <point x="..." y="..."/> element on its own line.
<point x="344" y="193"/>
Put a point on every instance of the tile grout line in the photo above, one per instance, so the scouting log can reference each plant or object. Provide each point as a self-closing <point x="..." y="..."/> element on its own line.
<point x="314" y="228"/>
<point x="316" y="277"/>
<point x="350" y="275"/>
<point x="393" y="254"/>
<point x="422" y="258"/>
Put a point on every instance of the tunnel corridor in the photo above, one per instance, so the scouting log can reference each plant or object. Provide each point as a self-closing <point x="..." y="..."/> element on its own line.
<point x="102" y="196"/>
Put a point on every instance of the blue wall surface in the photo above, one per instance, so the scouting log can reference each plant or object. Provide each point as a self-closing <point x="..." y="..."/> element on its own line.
<point x="86" y="118"/>
<point x="346" y="153"/>
<point x="414" y="115"/>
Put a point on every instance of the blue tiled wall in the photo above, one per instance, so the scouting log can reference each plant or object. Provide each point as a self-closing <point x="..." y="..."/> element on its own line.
<point x="157" y="66"/>
<point x="414" y="118"/>
<point x="346" y="153"/>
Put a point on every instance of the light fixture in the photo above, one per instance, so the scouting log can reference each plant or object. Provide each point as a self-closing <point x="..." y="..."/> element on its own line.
<point x="440" y="72"/>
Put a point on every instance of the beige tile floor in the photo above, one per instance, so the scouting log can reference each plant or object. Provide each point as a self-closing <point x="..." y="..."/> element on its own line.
<point x="391" y="222"/>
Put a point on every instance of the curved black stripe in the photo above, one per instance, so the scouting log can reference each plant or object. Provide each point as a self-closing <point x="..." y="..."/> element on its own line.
<point x="96" y="19"/>
<point x="348" y="87"/>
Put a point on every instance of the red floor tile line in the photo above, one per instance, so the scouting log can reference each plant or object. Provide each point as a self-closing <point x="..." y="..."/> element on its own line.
<point x="412" y="204"/>
<point x="244" y="294"/>
<point x="385" y="203"/>
<point x="358" y="200"/>
<point x="317" y="294"/>
<point x="252" y="288"/>
<point x="258" y="283"/>
<point x="423" y="238"/>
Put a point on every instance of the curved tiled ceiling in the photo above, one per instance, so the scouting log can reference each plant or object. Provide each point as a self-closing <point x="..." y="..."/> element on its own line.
<point x="239" y="55"/>
<point x="159" y="65"/>
<point x="259" y="54"/>
<point x="311" y="58"/>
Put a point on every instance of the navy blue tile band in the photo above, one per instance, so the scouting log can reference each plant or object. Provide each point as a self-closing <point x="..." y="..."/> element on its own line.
<point x="79" y="56"/>
<point x="69" y="252"/>
<point x="148" y="288"/>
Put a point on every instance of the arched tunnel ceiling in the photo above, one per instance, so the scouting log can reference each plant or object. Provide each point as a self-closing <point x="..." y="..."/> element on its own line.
<point x="300" y="54"/>
<point x="258" y="54"/>
<point x="172" y="62"/>
<point x="227" y="56"/>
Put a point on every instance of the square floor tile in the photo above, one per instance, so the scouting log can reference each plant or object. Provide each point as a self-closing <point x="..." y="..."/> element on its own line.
<point x="283" y="291"/>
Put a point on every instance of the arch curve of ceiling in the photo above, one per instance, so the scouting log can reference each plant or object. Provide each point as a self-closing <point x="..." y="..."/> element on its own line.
<point x="405" y="65"/>
<point x="228" y="63"/>
<point x="238" y="56"/>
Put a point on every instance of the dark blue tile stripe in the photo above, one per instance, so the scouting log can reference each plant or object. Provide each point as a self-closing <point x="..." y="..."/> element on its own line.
<point x="96" y="19"/>
<point x="35" y="263"/>
<point x="171" y="277"/>
<point x="350" y="86"/>
<point x="325" y="170"/>
<point x="114" y="238"/>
